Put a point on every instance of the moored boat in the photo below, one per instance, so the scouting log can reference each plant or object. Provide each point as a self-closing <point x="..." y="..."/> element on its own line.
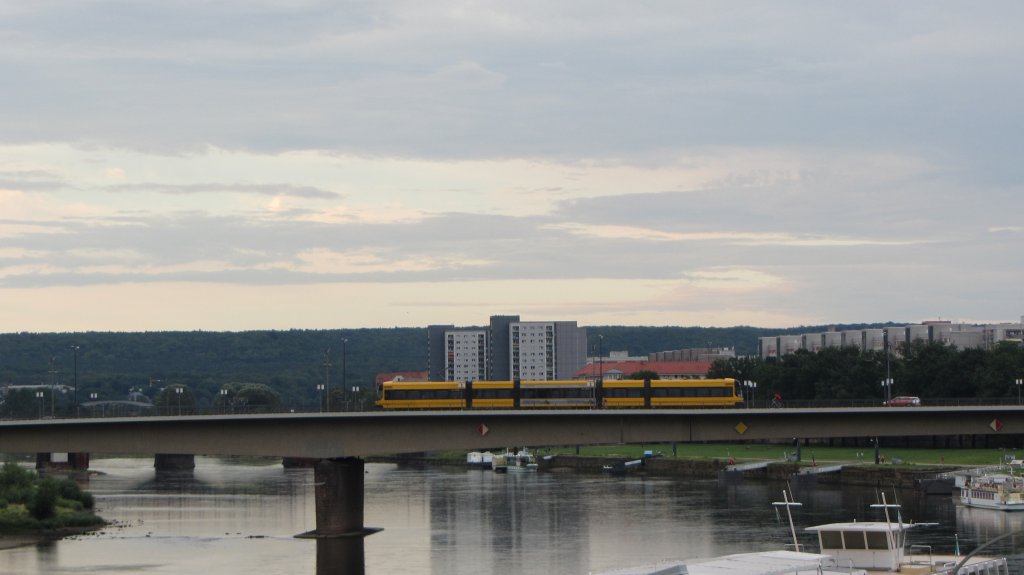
<point x="511" y="460"/>
<point x="1002" y="491"/>
<point x="852" y="548"/>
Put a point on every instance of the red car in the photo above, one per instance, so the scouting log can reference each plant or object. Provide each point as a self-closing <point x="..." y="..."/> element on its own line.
<point x="903" y="401"/>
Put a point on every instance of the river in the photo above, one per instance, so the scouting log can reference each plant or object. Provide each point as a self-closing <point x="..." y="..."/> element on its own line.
<point x="233" y="516"/>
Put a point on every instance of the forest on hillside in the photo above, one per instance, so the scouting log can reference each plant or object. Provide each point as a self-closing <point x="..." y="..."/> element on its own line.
<point x="290" y="362"/>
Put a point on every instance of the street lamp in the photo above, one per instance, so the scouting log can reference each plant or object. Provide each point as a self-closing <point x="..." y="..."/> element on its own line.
<point x="887" y="384"/>
<point x="224" y="400"/>
<point x="327" y="377"/>
<point x="75" y="348"/>
<point x="39" y="395"/>
<point x="178" y="391"/>
<point x="344" y="355"/>
<point x="1019" y="383"/>
<point x="92" y="396"/>
<point x="750" y="386"/>
<point x="600" y="358"/>
<point x="320" y="392"/>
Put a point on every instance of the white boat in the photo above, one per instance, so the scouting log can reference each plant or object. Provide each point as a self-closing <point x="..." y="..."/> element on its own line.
<point x="1002" y="491"/>
<point x="482" y="460"/>
<point x="521" y="460"/>
<point x="854" y="548"/>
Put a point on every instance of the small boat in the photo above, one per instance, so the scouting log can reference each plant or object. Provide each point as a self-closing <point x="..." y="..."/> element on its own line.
<point x="479" y="460"/>
<point x="1002" y="491"/>
<point x="853" y="548"/>
<point x="511" y="460"/>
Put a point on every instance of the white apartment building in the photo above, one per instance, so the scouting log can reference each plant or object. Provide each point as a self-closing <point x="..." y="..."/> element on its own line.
<point x="546" y="350"/>
<point x="465" y="355"/>
<point x="958" y="335"/>
<point x="532" y="350"/>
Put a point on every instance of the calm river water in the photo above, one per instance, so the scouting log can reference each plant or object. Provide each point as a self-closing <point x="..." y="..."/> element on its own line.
<point x="240" y="516"/>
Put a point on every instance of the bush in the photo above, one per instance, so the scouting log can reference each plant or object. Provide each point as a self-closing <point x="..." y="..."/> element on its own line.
<point x="18" y="494"/>
<point x="14" y="475"/>
<point x="3" y="503"/>
<point x="44" y="503"/>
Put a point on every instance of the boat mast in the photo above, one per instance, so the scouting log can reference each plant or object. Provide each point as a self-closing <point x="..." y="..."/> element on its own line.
<point x="788" y="504"/>
<point x="895" y="539"/>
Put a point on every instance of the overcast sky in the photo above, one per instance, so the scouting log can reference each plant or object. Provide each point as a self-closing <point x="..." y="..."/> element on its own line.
<point x="274" y="164"/>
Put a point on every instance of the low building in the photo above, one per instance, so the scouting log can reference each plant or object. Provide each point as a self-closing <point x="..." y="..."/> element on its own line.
<point x="400" y="376"/>
<point x="610" y="370"/>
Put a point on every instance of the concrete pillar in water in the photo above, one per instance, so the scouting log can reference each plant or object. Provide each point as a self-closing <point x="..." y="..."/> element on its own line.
<point x="174" y="461"/>
<point x="339" y="498"/>
<point x="75" y="461"/>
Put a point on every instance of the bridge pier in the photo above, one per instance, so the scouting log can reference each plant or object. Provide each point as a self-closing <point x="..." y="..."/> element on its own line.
<point x="174" y="461"/>
<point x="339" y="498"/>
<point x="74" y="461"/>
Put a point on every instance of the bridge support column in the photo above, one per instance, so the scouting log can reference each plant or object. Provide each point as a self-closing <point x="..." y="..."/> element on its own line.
<point x="339" y="498"/>
<point x="73" y="461"/>
<point x="174" y="461"/>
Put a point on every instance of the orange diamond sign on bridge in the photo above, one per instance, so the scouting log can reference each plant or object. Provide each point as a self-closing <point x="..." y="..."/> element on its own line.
<point x="996" y="425"/>
<point x="482" y="429"/>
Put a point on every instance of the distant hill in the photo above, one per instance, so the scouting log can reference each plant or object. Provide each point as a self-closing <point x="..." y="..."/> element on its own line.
<point x="292" y="361"/>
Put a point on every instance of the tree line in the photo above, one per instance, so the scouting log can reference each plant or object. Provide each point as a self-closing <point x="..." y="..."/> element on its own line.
<point x="927" y="370"/>
<point x="270" y="369"/>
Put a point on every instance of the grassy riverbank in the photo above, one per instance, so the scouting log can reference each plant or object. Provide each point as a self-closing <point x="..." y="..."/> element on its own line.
<point x="36" y="507"/>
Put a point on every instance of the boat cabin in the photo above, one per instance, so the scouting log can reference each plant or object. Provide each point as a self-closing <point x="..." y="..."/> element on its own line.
<point x="864" y="545"/>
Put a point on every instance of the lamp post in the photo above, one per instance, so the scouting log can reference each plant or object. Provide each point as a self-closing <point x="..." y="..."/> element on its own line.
<point x="600" y="358"/>
<point x="1019" y="383"/>
<point x="320" y="393"/>
<point x="75" y="349"/>
<point x="178" y="391"/>
<point x="92" y="397"/>
<point x="53" y="384"/>
<point x="887" y="384"/>
<point x="344" y="354"/>
<point x="327" y="378"/>
<point x="39" y="395"/>
<point x="750" y="386"/>
<point x="223" y="400"/>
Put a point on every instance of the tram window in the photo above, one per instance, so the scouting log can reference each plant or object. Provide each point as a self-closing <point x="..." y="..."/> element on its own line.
<point x="877" y="540"/>
<point x="659" y="392"/>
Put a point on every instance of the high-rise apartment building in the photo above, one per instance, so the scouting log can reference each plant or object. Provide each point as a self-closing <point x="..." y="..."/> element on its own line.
<point x="508" y="349"/>
<point x="466" y="355"/>
<point x="546" y="350"/>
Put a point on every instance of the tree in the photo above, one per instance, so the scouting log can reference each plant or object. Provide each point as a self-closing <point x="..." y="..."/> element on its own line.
<point x="644" y="374"/>
<point x="176" y="399"/>
<point x="247" y="398"/>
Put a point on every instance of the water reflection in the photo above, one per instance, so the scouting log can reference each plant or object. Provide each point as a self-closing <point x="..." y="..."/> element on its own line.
<point x="229" y="516"/>
<point x="340" y="556"/>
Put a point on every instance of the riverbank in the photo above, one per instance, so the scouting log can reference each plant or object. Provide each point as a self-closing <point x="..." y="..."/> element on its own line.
<point x="15" y="539"/>
<point x="856" y="472"/>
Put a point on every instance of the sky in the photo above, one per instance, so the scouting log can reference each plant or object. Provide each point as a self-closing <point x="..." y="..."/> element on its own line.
<point x="279" y="164"/>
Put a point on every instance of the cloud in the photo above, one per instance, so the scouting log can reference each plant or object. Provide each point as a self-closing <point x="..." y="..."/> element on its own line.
<point x="738" y="238"/>
<point x="275" y="190"/>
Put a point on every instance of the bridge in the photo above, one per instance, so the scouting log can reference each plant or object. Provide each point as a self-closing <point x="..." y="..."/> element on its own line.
<point x="340" y="440"/>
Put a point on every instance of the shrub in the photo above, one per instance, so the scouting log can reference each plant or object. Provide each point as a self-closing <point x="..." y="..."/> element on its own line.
<point x="44" y="503"/>
<point x="14" y="475"/>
